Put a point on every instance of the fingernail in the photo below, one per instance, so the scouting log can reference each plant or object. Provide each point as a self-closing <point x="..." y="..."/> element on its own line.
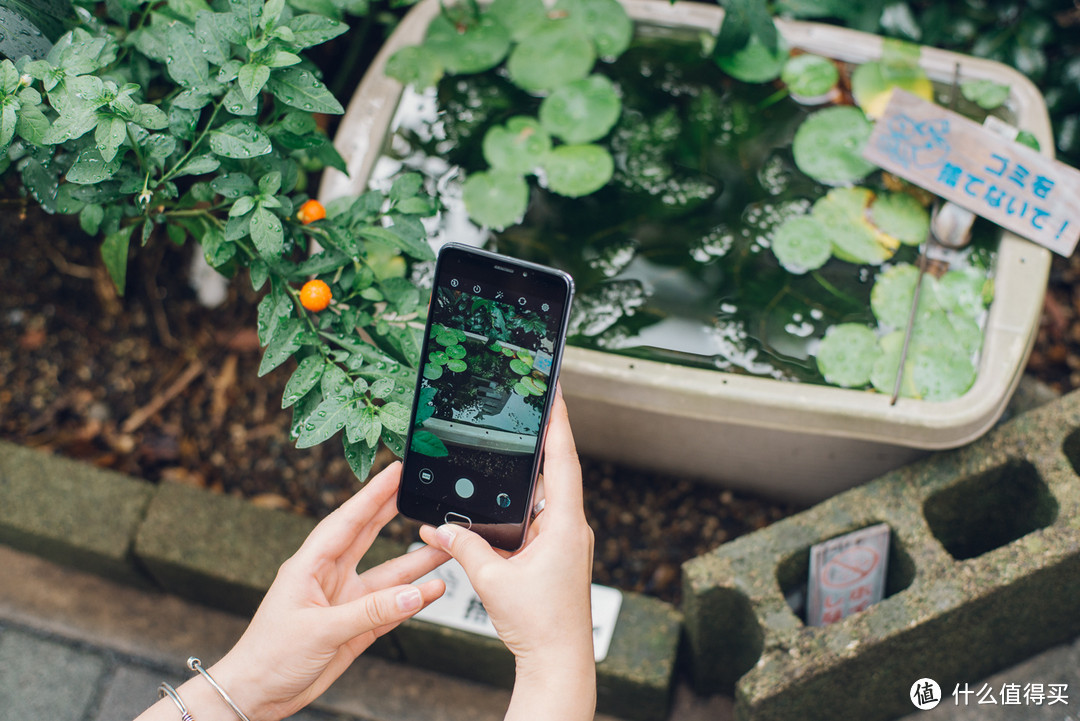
<point x="409" y="599"/>
<point x="445" y="536"/>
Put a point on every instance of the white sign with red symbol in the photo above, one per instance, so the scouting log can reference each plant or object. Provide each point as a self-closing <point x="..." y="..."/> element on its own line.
<point x="847" y="574"/>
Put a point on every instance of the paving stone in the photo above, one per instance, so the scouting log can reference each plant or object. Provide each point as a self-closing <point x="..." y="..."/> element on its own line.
<point x="70" y="512"/>
<point x="984" y="571"/>
<point x="128" y="691"/>
<point x="43" y="679"/>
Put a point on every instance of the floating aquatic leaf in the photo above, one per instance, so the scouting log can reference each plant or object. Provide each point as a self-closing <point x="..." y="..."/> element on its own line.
<point x="581" y="111"/>
<point x="433" y="372"/>
<point x="847" y="355"/>
<point x="828" y="145"/>
<point x="894" y="291"/>
<point x="755" y="62"/>
<point x="843" y="214"/>
<point x="517" y="147"/>
<point x="809" y="76"/>
<point x="576" y="170"/>
<point x="496" y="198"/>
<point x="872" y="83"/>
<point x="456" y="352"/>
<point x="519" y="367"/>
<point x="415" y="65"/>
<point x="457" y="366"/>
<point x="481" y="46"/>
<point x="802" y="244"/>
<point x="520" y="17"/>
<point x="965" y="292"/>
<point x="521" y="389"/>
<point x="439" y="357"/>
<point x="605" y="21"/>
<point x="555" y="54"/>
<point x="901" y="216"/>
<point x="987" y="94"/>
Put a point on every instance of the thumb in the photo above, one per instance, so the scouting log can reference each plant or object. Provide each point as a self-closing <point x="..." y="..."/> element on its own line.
<point x="467" y="547"/>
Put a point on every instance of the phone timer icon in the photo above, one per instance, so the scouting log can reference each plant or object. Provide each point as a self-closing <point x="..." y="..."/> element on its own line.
<point x="453" y="282"/>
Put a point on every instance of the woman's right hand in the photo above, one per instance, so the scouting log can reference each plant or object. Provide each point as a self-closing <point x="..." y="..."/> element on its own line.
<point x="539" y="598"/>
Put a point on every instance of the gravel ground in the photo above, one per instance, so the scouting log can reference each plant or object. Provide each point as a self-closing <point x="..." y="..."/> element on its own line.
<point x="155" y="385"/>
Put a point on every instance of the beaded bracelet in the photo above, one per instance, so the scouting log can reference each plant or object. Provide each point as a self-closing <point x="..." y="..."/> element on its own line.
<point x="167" y="690"/>
<point x="196" y="665"/>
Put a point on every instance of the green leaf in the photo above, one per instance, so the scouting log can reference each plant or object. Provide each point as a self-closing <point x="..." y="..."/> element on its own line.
<point x="842" y="212"/>
<point x="209" y="35"/>
<point x="394" y="416"/>
<point x="577" y="170"/>
<point x="90" y="168"/>
<point x="901" y="216"/>
<point x="283" y="344"/>
<point x="894" y="291"/>
<point x="240" y="139"/>
<point x="756" y="62"/>
<point x="415" y="65"/>
<point x="398" y="236"/>
<point x="22" y="35"/>
<point x="809" y="76"/>
<point x="274" y="311"/>
<point x="9" y="120"/>
<point x="198" y="165"/>
<point x="517" y="147"/>
<point x="828" y="145"/>
<point x="847" y="355"/>
<point x="496" y="198"/>
<point x="363" y="424"/>
<point x="360" y="457"/>
<point x="304" y="378"/>
<point x="298" y="88"/>
<point x="556" y="54"/>
<point x="312" y="29"/>
<point x="109" y="136"/>
<point x="90" y="218"/>
<point x="251" y="78"/>
<point x="481" y="46"/>
<point x="328" y="418"/>
<point x="520" y="17"/>
<point x="75" y="120"/>
<point x="267" y="233"/>
<point x="606" y="22"/>
<point x="581" y="111"/>
<point x="114" y="252"/>
<point x="428" y="444"/>
<point x="32" y="124"/>
<point x="233" y="185"/>
<point x="802" y="244"/>
<point x="987" y="94"/>
<point x="185" y="61"/>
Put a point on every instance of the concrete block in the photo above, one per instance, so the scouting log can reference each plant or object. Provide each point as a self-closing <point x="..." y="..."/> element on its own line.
<point x="634" y="681"/>
<point x="71" y="512"/>
<point x="984" y="571"/>
<point x="44" y="679"/>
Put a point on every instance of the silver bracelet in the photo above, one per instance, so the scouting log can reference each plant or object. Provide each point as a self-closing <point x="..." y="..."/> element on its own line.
<point x="167" y="690"/>
<point x="196" y="665"/>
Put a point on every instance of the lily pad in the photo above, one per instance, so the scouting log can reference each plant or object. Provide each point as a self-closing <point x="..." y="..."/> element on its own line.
<point x="456" y="352"/>
<point x="496" y="198"/>
<point x="847" y="355"/>
<point x="581" y="111"/>
<point x="802" y="244"/>
<point x="520" y="17"/>
<point x="520" y="367"/>
<point x="965" y="292"/>
<point x="809" y="76"/>
<point x="415" y="65"/>
<point x="433" y="372"/>
<point x="521" y="389"/>
<point x="755" y="62"/>
<point x="576" y="170"/>
<point x="894" y="290"/>
<point x="517" y="147"/>
<point x="457" y="366"/>
<point x="901" y="216"/>
<point x="439" y="357"/>
<point x="555" y="54"/>
<point x="987" y="94"/>
<point x="605" y="21"/>
<point x="872" y="83"/>
<point x="843" y="214"/>
<point x="828" y="145"/>
<point x="480" y="47"/>
<point x="525" y="357"/>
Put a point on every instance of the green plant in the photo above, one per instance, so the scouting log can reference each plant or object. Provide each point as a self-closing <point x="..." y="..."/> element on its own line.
<point x="195" y="120"/>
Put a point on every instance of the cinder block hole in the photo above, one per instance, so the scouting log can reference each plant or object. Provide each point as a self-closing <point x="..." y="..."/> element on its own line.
<point x="793" y="572"/>
<point x="990" y="510"/>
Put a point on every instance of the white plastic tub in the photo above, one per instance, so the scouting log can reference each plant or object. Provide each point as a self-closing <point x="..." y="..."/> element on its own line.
<point x="787" y="440"/>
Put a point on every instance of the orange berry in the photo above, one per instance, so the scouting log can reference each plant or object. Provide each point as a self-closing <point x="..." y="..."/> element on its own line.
<point x="315" y="295"/>
<point x="311" y="211"/>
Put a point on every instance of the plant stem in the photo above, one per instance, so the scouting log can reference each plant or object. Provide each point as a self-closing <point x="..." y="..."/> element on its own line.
<point x="194" y="146"/>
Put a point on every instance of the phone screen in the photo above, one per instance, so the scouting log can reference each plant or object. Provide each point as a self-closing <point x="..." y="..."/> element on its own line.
<point x="491" y="354"/>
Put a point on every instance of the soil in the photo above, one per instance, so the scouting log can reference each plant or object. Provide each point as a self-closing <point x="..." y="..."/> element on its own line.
<point x="155" y="385"/>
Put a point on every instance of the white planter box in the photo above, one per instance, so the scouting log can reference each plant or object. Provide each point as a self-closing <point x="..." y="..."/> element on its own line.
<point x="788" y="440"/>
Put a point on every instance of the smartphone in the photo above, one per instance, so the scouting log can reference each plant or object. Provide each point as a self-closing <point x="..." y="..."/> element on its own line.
<point x="492" y="348"/>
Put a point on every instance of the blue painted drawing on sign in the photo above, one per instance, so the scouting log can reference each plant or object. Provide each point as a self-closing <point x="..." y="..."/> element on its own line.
<point x="916" y="144"/>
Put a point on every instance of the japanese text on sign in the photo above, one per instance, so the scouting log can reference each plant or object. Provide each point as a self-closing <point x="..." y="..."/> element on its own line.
<point x="964" y="162"/>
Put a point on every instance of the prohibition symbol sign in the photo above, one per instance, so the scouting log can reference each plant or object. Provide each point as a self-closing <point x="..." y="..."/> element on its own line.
<point x="849" y="567"/>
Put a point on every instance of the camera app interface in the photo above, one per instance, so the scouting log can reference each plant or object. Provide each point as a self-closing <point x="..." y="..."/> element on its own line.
<point x="484" y="385"/>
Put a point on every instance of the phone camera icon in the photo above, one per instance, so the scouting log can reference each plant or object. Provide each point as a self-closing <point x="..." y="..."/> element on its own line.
<point x="503" y="500"/>
<point x="453" y="282"/>
<point x="426" y="475"/>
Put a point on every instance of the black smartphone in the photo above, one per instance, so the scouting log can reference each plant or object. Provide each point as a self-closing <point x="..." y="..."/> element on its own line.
<point x="492" y="348"/>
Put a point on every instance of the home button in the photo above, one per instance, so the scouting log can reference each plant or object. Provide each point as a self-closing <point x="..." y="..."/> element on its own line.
<point x="458" y="520"/>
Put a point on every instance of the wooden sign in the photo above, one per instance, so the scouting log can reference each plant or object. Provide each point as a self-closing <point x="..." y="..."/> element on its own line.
<point x="956" y="158"/>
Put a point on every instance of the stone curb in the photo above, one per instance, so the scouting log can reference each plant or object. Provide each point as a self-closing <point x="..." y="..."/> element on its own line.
<point x="984" y="571"/>
<point x="224" y="552"/>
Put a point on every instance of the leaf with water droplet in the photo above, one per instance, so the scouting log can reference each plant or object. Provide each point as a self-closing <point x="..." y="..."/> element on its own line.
<point x="847" y="354"/>
<point x="828" y="145"/>
<point x="298" y="88"/>
<point x="304" y="378"/>
<point x="329" y="417"/>
<point x="802" y="244"/>
<point x="581" y="111"/>
<point x="267" y="233"/>
<point x="555" y="54"/>
<point x="809" y="76"/>
<point x="606" y="22"/>
<point x="240" y="139"/>
<point x="360" y="458"/>
<point x="335" y="382"/>
<point x="90" y="168"/>
<point x="286" y="341"/>
<point x="477" y="47"/>
<point x="394" y="416"/>
<point x="577" y="170"/>
<point x="251" y="78"/>
<point x="496" y="198"/>
<point x="109" y="135"/>
<point x="517" y="147"/>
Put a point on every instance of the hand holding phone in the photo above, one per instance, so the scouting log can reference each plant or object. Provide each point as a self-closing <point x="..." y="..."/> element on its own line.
<point x="492" y="349"/>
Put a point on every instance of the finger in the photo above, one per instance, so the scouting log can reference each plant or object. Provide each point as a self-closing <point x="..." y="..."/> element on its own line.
<point x="404" y="569"/>
<point x="467" y="548"/>
<point x="338" y="532"/>
<point x="380" y="610"/>
<point x="562" y="470"/>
